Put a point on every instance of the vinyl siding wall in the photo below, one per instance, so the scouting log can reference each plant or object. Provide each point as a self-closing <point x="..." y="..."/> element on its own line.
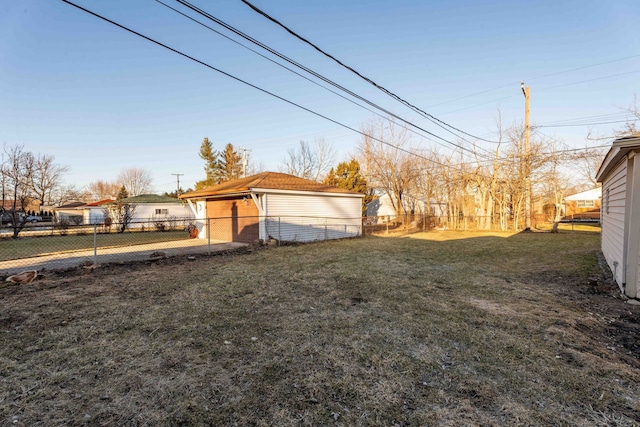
<point x="632" y="226"/>
<point x="613" y="220"/>
<point x="305" y="218"/>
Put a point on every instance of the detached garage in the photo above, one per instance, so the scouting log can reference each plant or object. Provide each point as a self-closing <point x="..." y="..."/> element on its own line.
<point x="273" y="205"/>
<point x="620" y="212"/>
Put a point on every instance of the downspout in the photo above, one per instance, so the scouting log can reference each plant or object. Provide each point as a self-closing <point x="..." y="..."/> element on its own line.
<point x="193" y="208"/>
<point x="201" y="223"/>
<point x="259" y="201"/>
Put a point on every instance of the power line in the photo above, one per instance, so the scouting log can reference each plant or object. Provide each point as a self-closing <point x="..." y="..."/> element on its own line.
<point x="590" y="80"/>
<point x="586" y="124"/>
<point x="435" y="162"/>
<point x="545" y="88"/>
<point x="249" y="38"/>
<point x="610" y="116"/>
<point x="312" y="72"/>
<point x="536" y="78"/>
<point x="250" y="84"/>
<point x="434" y="119"/>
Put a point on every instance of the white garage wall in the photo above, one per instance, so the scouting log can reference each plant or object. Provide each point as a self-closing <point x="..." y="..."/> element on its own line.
<point x="304" y="218"/>
<point x="612" y="219"/>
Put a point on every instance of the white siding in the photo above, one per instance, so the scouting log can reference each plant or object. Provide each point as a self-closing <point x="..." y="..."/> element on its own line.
<point x="613" y="219"/>
<point x="145" y="214"/>
<point x="632" y="227"/>
<point x="93" y="215"/>
<point x="304" y="218"/>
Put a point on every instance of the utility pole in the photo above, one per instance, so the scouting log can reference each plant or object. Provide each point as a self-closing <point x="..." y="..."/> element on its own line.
<point x="245" y="161"/>
<point x="178" y="175"/>
<point x="527" y="159"/>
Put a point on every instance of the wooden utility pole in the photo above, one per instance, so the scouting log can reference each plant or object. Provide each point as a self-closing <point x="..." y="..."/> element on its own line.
<point x="178" y="175"/>
<point x="527" y="159"/>
<point x="245" y="161"/>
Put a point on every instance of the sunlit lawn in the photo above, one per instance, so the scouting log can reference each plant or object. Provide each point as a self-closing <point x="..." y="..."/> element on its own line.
<point x="432" y="329"/>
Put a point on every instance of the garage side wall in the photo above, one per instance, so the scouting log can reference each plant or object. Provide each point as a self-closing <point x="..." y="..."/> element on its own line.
<point x="306" y="218"/>
<point x="613" y="220"/>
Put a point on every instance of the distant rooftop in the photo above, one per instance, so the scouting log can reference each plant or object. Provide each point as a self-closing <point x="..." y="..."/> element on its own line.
<point x="151" y="198"/>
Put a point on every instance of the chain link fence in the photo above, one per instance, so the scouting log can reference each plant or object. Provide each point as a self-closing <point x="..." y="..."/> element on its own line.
<point x="416" y="223"/>
<point x="378" y="225"/>
<point x="56" y="246"/>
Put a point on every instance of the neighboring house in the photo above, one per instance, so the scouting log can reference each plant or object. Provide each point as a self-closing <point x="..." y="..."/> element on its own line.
<point x="584" y="205"/>
<point x="382" y="207"/>
<point x="620" y="178"/>
<point x="93" y="213"/>
<point x="72" y="212"/>
<point x="276" y="205"/>
<point x="151" y="209"/>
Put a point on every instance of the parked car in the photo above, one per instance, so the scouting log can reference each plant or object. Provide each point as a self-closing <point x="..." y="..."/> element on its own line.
<point x="33" y="218"/>
<point x="6" y="218"/>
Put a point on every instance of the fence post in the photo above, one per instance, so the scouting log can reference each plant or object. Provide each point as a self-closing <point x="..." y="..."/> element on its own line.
<point x="279" y="236"/>
<point x="208" y="231"/>
<point x="325" y="229"/>
<point x="95" y="244"/>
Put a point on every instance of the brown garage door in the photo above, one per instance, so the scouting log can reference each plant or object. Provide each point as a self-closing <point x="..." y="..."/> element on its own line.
<point x="233" y="220"/>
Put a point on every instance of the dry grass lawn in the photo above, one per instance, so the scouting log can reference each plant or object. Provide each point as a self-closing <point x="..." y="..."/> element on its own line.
<point x="32" y="246"/>
<point x="435" y="329"/>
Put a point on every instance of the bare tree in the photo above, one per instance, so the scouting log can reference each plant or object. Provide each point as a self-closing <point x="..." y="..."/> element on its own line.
<point x="120" y="211"/>
<point x="587" y="163"/>
<point x="309" y="161"/>
<point x="389" y="166"/>
<point x="70" y="193"/>
<point x="101" y="190"/>
<point x="47" y="177"/>
<point x="631" y="128"/>
<point x="485" y="179"/>
<point x="17" y="178"/>
<point x="628" y="129"/>
<point x="553" y="184"/>
<point x="137" y="181"/>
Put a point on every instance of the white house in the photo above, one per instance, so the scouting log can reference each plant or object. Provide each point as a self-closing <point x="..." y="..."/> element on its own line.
<point x="620" y="212"/>
<point x="151" y="209"/>
<point x="93" y="213"/>
<point x="583" y="205"/>
<point x="72" y="212"/>
<point x="275" y="205"/>
<point x="382" y="207"/>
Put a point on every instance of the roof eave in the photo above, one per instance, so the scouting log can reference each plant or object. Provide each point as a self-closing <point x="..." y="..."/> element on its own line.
<point x="307" y="192"/>
<point x="202" y="194"/>
<point x="620" y="148"/>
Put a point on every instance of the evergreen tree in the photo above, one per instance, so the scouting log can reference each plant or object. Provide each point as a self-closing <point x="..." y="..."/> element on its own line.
<point x="231" y="163"/>
<point x="347" y="176"/>
<point x="212" y="166"/>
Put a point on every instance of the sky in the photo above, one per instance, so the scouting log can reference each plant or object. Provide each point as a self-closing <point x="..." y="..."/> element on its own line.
<point x="101" y="99"/>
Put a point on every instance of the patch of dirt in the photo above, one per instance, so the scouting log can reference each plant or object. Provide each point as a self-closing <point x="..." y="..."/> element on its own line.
<point x="600" y="297"/>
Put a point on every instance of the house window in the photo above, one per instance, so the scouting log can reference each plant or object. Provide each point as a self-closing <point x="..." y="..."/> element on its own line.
<point x="162" y="211"/>
<point x="586" y="203"/>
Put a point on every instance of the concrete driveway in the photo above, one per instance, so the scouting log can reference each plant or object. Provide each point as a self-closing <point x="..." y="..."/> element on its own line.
<point x="122" y="254"/>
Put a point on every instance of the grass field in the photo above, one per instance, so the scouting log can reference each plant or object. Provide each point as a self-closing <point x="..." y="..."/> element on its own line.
<point x="26" y="247"/>
<point x="432" y="329"/>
